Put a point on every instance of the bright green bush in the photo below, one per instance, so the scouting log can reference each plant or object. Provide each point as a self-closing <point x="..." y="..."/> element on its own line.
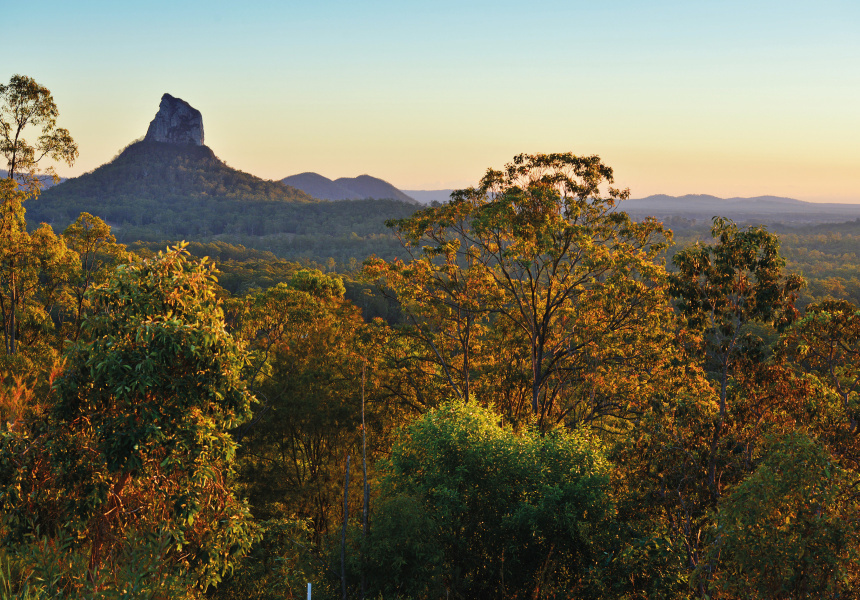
<point x="474" y="510"/>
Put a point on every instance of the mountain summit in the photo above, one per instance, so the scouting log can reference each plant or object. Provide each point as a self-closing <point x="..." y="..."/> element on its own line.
<point x="176" y="122"/>
<point x="174" y="185"/>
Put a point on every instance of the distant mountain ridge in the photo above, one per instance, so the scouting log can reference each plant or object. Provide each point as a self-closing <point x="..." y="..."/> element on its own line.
<point x="345" y="188"/>
<point x="699" y="199"/>
<point x="170" y="170"/>
<point x="764" y="209"/>
<point x="165" y="184"/>
<point x="171" y="186"/>
<point x="319" y="187"/>
<point x="47" y="180"/>
<point x="428" y="196"/>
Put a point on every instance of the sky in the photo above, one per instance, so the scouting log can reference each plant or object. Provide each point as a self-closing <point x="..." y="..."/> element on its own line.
<point x="679" y="97"/>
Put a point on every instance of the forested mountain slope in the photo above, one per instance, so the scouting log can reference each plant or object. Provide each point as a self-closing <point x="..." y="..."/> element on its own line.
<point x="158" y="191"/>
<point x="159" y="183"/>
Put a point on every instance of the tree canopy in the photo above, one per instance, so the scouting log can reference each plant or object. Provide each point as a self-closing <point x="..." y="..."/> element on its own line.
<point x="24" y="103"/>
<point x="132" y="461"/>
<point x="537" y="260"/>
<point x="470" y="509"/>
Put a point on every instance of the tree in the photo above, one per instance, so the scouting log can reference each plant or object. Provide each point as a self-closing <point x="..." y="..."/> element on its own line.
<point x="538" y="257"/>
<point x="469" y="509"/>
<point x="26" y="103"/>
<point x="34" y="270"/>
<point x="133" y="454"/>
<point x="724" y="395"/>
<point x="722" y="288"/>
<point x="92" y="240"/>
<point x="24" y="257"/>
<point x="788" y="531"/>
<point x="309" y="348"/>
<point x="826" y="342"/>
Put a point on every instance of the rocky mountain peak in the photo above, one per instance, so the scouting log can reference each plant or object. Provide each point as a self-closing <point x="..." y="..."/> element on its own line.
<point x="176" y="122"/>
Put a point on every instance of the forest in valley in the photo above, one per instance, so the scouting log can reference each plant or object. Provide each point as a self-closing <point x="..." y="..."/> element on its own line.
<point x="536" y="397"/>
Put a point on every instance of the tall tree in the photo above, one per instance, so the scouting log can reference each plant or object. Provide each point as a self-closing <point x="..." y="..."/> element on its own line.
<point x="722" y="288"/>
<point x="707" y="433"/>
<point x="826" y="342"/>
<point x="92" y="240"/>
<point x="25" y="103"/>
<point x="23" y="258"/>
<point x="309" y="349"/>
<point x="540" y="252"/>
<point x="35" y="269"/>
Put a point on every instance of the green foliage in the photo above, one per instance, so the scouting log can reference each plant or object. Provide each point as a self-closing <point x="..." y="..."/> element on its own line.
<point x="96" y="247"/>
<point x="25" y="103"/>
<point x="133" y="454"/>
<point x="309" y="353"/>
<point x="737" y="280"/>
<point x="118" y="467"/>
<point x="825" y="255"/>
<point x="154" y="357"/>
<point x="53" y="568"/>
<point x="826" y="342"/>
<point x="279" y="565"/>
<point x="787" y="531"/>
<point x="720" y="290"/>
<point x="318" y="284"/>
<point x="35" y="269"/>
<point x="472" y="508"/>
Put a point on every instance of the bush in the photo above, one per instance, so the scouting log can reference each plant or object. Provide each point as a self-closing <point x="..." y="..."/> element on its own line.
<point x="472" y="509"/>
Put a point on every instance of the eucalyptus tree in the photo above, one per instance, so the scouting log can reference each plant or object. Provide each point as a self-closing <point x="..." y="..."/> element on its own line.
<point x="826" y="342"/>
<point x="34" y="270"/>
<point x="720" y="290"/>
<point x="28" y="260"/>
<point x="536" y="273"/>
<point x="24" y="104"/>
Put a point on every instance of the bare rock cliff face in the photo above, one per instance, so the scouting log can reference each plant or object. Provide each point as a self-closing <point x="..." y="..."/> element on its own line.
<point x="176" y="122"/>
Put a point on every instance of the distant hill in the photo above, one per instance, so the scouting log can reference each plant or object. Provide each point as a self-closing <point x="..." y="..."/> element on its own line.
<point x="170" y="184"/>
<point x="345" y="188"/>
<point x="428" y="196"/>
<point x="47" y="180"/>
<point x="372" y="187"/>
<point x="760" y="209"/>
<point x="320" y="187"/>
<point x="160" y="192"/>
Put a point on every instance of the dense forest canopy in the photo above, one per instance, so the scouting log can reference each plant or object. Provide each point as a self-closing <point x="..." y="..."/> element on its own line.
<point x="534" y="397"/>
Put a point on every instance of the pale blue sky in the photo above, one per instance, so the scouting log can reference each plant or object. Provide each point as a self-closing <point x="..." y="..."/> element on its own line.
<point x="728" y="98"/>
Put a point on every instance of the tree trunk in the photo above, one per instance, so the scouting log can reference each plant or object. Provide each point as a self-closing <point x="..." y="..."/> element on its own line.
<point x="343" y="535"/>
<point x="102" y="526"/>
<point x="366" y="504"/>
